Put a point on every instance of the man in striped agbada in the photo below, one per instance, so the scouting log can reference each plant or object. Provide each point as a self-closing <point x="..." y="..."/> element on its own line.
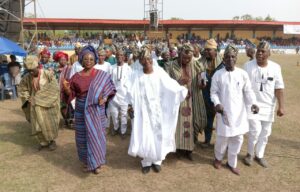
<point x="39" y="93"/>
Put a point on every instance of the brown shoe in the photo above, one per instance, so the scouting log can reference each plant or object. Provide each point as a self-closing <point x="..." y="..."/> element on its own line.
<point x="217" y="164"/>
<point x="233" y="170"/>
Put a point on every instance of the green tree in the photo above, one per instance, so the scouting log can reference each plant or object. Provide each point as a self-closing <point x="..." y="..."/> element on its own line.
<point x="247" y="17"/>
<point x="236" y="18"/>
<point x="176" y="18"/>
<point x="259" y="18"/>
<point x="269" y="18"/>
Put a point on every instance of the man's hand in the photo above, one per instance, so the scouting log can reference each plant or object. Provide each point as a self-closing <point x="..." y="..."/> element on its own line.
<point x="280" y="112"/>
<point x="130" y="112"/>
<point x="183" y="81"/>
<point x="219" y="108"/>
<point x="254" y="109"/>
<point x="31" y="101"/>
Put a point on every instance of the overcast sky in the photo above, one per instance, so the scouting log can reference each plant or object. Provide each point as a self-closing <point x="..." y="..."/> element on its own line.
<point x="281" y="10"/>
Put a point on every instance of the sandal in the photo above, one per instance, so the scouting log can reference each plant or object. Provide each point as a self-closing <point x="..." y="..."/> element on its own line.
<point x="97" y="170"/>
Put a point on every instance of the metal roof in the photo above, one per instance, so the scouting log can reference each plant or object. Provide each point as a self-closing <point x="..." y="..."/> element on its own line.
<point x="119" y="24"/>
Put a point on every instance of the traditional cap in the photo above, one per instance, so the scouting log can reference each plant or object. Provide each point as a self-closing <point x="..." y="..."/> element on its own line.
<point x="186" y="48"/>
<point x="263" y="45"/>
<point x="58" y="55"/>
<point x="210" y="44"/>
<point x="88" y="50"/>
<point x="31" y="62"/>
<point x="231" y="48"/>
<point x="101" y="52"/>
<point x="45" y="51"/>
<point x="145" y="52"/>
<point x="78" y="45"/>
<point x="108" y="48"/>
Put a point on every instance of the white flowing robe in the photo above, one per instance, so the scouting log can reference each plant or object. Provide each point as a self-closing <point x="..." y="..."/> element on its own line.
<point x="233" y="91"/>
<point x="155" y="99"/>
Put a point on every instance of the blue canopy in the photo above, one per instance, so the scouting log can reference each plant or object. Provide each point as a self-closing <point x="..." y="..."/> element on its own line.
<point x="11" y="48"/>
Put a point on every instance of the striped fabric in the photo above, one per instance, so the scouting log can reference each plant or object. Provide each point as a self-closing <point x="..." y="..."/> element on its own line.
<point x="90" y="121"/>
<point x="192" y="115"/>
<point x="67" y="110"/>
<point x="44" y="114"/>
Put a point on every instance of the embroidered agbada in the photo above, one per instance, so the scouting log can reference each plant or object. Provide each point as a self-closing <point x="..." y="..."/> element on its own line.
<point x="155" y="99"/>
<point x="90" y="119"/>
<point x="43" y="114"/>
<point x="192" y="114"/>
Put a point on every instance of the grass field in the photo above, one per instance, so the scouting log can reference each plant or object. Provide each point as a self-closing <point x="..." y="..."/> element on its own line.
<point x="24" y="169"/>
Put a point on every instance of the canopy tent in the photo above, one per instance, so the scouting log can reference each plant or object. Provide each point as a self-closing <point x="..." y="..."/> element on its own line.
<point x="11" y="48"/>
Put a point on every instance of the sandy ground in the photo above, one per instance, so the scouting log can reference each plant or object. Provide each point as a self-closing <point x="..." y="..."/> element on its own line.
<point x="23" y="168"/>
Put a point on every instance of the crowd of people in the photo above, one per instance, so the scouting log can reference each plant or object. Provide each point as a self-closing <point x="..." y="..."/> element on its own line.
<point x="170" y="93"/>
<point x="68" y="41"/>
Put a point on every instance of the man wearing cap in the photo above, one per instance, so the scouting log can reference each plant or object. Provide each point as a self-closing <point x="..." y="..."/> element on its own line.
<point x="192" y="117"/>
<point x="102" y="64"/>
<point x="76" y="66"/>
<point x="212" y="62"/>
<point x="230" y="92"/>
<point x="74" y="57"/>
<point x="118" y="107"/>
<point x="155" y="100"/>
<point x="39" y="93"/>
<point x="268" y="85"/>
<point x="109" y="55"/>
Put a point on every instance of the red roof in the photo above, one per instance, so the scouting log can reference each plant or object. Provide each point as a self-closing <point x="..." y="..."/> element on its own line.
<point x="64" y="24"/>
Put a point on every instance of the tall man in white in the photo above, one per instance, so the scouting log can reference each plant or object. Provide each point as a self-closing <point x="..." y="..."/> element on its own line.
<point x="155" y="99"/>
<point x="120" y="74"/>
<point x="267" y="83"/>
<point x="230" y="92"/>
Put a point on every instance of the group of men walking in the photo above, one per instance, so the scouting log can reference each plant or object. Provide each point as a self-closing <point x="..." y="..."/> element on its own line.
<point x="169" y="101"/>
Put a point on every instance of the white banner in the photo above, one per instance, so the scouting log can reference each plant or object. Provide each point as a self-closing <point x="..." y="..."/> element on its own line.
<point x="291" y="29"/>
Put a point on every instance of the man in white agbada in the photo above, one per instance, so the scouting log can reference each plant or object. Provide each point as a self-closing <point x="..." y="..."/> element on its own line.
<point x="230" y="92"/>
<point x="118" y="106"/>
<point x="155" y="100"/>
<point x="267" y="83"/>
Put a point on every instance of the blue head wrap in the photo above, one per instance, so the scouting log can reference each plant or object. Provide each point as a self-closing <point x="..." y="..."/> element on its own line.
<point x="88" y="50"/>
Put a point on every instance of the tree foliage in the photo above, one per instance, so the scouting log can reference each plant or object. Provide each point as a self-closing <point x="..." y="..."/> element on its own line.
<point x="176" y="18"/>
<point x="248" y="17"/>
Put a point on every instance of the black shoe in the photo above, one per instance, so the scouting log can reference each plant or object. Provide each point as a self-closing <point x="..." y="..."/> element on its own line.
<point x="156" y="168"/>
<point x="114" y="132"/>
<point x="41" y="147"/>
<point x="146" y="169"/>
<point x="189" y="155"/>
<point x="52" y="145"/>
<point x="178" y="153"/>
<point x="123" y="136"/>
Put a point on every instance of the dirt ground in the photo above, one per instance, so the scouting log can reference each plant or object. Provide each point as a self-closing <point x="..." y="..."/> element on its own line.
<point x="23" y="168"/>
